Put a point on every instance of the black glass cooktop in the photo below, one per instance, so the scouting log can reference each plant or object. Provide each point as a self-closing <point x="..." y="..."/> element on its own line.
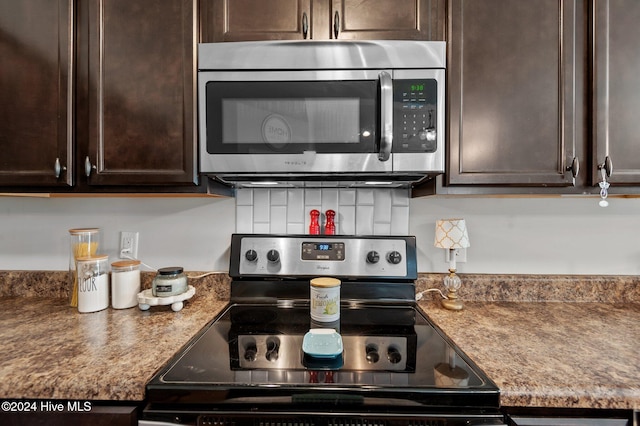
<point x="252" y="354"/>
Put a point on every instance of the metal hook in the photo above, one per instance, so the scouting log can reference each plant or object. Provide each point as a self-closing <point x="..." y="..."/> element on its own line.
<point x="604" y="186"/>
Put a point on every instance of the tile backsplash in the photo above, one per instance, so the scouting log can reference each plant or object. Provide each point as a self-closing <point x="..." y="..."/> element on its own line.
<point x="359" y="211"/>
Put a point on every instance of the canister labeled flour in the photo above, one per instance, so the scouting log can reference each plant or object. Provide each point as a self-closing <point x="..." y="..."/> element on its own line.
<point x="324" y="299"/>
<point x="93" y="283"/>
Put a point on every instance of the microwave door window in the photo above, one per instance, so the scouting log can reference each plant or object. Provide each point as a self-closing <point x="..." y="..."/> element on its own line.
<point x="293" y="124"/>
<point x="278" y="123"/>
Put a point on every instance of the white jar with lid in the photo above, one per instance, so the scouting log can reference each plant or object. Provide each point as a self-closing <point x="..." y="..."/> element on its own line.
<point x="125" y="283"/>
<point x="169" y="281"/>
<point x="93" y="283"/>
<point x="324" y="299"/>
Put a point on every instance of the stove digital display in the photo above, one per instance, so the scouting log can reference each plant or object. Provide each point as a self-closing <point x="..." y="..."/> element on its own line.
<point x="323" y="251"/>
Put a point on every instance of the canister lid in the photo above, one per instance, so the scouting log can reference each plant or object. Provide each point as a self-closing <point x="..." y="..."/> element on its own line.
<point x="125" y="263"/>
<point x="96" y="257"/>
<point x="76" y="231"/>
<point x="325" y="282"/>
<point x="170" y="270"/>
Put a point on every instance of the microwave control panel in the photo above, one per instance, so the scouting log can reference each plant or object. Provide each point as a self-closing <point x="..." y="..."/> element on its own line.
<point x="414" y="112"/>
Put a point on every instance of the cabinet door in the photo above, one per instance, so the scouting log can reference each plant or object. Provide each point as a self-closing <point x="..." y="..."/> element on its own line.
<point x="36" y="101"/>
<point x="245" y="20"/>
<point x="616" y="90"/>
<point x="138" y="93"/>
<point x="513" y="92"/>
<point x="387" y="19"/>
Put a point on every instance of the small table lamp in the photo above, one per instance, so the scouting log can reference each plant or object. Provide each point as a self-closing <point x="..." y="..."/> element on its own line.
<point x="451" y="234"/>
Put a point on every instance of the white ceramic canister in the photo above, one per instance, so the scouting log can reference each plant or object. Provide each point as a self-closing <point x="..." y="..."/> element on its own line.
<point x="125" y="283"/>
<point x="324" y="299"/>
<point x="93" y="283"/>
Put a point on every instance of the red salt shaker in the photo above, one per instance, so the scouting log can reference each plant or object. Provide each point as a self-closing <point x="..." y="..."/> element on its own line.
<point x="314" y="226"/>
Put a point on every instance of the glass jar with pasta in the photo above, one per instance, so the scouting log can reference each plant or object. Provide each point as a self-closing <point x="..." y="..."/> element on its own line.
<point x="83" y="242"/>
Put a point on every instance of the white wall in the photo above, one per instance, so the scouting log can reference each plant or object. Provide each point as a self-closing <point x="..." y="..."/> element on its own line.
<point x="189" y="232"/>
<point x="565" y="235"/>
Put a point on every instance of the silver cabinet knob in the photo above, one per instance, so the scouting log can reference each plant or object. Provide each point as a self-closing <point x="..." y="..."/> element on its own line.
<point x="574" y="168"/>
<point x="88" y="166"/>
<point x="607" y="166"/>
<point x="58" y="168"/>
<point x="305" y="25"/>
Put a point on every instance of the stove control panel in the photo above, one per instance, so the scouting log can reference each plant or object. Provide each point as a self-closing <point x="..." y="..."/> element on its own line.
<point x="313" y="255"/>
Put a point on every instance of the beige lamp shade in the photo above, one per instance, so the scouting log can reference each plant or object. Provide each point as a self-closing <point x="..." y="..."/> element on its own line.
<point x="451" y="234"/>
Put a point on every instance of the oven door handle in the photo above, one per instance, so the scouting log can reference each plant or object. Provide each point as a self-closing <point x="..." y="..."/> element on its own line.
<point x="386" y="115"/>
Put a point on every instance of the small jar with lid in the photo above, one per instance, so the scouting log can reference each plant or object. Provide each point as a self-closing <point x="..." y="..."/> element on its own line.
<point x="324" y="299"/>
<point x="125" y="283"/>
<point x="169" y="281"/>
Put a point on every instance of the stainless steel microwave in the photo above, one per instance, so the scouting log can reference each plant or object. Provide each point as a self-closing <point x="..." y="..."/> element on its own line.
<point x="301" y="113"/>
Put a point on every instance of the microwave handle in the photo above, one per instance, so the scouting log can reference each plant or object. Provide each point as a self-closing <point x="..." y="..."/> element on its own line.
<point x="386" y="115"/>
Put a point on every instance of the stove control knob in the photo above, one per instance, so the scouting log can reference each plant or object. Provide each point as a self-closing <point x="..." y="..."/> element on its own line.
<point x="273" y="256"/>
<point x="372" y="354"/>
<point x="373" y="257"/>
<point x="394" y="257"/>
<point x="393" y="355"/>
<point x="251" y="352"/>
<point x="251" y="255"/>
<point x="273" y="346"/>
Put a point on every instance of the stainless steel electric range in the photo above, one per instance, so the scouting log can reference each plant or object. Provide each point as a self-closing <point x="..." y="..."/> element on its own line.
<point x="247" y="366"/>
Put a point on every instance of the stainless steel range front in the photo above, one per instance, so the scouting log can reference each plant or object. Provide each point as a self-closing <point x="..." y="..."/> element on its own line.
<point x="249" y="365"/>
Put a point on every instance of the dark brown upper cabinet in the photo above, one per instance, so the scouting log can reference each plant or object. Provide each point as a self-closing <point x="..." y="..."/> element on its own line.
<point x="242" y="20"/>
<point x="98" y="96"/>
<point x="616" y="91"/>
<point x="136" y="116"/>
<point x="36" y="93"/>
<point x="246" y="20"/>
<point x="516" y="98"/>
<point x="387" y="19"/>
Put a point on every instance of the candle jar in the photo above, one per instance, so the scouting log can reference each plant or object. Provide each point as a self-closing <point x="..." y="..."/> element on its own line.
<point x="83" y="242"/>
<point x="125" y="283"/>
<point x="93" y="283"/>
<point x="169" y="282"/>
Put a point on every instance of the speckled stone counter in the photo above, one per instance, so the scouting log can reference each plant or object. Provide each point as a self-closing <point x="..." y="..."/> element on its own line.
<point x="51" y="351"/>
<point x="576" y="355"/>
<point x="539" y="349"/>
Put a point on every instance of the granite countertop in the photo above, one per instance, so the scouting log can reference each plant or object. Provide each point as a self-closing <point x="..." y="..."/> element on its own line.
<point x="50" y="351"/>
<point x="580" y="354"/>
<point x="550" y="354"/>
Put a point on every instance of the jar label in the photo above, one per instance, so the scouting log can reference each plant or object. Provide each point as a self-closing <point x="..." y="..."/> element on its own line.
<point x="93" y="293"/>
<point x="325" y="303"/>
<point x="164" y="288"/>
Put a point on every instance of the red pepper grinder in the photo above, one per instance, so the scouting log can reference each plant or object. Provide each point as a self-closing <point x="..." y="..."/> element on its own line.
<point x="314" y="226"/>
<point x="330" y="227"/>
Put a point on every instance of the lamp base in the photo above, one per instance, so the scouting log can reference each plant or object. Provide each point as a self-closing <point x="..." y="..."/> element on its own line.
<point x="452" y="304"/>
<point x="452" y="283"/>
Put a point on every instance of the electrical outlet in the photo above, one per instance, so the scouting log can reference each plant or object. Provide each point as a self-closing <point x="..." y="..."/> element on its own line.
<point x="128" y="245"/>
<point x="461" y="255"/>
